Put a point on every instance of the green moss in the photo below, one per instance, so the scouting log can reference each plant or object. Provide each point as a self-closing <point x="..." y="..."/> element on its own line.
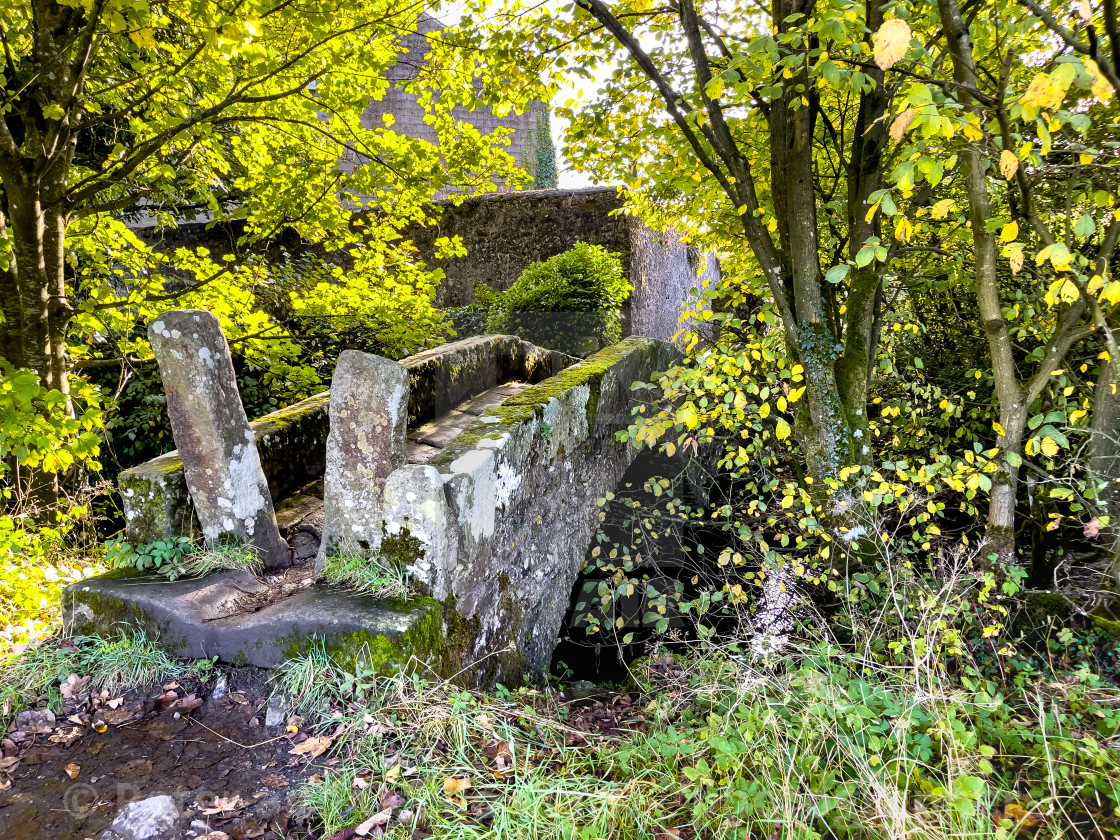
<point x="284" y="418"/>
<point x="1042" y="606"/>
<point x="421" y="643"/>
<point x="111" y="616"/>
<point x="531" y="403"/>
<point x="402" y="549"/>
<point x="1107" y="626"/>
<point x="460" y="635"/>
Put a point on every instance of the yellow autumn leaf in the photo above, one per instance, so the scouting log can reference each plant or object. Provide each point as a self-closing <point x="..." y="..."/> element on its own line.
<point x="901" y="124"/>
<point x="1008" y="164"/>
<point x="972" y="129"/>
<point x="1014" y="256"/>
<point x="1009" y="232"/>
<point x="764" y="410"/>
<point x="1111" y="293"/>
<point x="1102" y="90"/>
<point x="891" y="42"/>
<point x="999" y="428"/>
<point x="1049" y="447"/>
<point x="1095" y="284"/>
<point x="903" y="229"/>
<point x="941" y="208"/>
<point x="782" y="430"/>
<point x="144" y="37"/>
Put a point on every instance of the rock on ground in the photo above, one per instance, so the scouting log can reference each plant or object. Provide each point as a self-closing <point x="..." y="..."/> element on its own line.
<point x="146" y="819"/>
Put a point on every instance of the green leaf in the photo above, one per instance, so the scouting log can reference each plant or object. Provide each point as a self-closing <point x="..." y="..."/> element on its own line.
<point x="1085" y="226"/>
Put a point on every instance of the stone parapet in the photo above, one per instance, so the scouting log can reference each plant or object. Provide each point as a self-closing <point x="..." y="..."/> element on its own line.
<point x="292" y="441"/>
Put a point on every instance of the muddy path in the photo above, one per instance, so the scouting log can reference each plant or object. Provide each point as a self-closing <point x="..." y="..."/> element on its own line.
<point x="213" y="755"/>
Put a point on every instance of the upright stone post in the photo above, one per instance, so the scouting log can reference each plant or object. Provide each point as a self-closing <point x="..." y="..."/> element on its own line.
<point x="369" y="422"/>
<point x="219" y="452"/>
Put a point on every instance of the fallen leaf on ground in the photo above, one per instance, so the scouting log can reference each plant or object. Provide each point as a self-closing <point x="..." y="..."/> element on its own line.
<point x="380" y="818"/>
<point x="391" y="800"/>
<point x="72" y="770"/>
<point x="225" y="805"/>
<point x="115" y="702"/>
<point x="7" y="765"/>
<point x="215" y="835"/>
<point x="73" y="687"/>
<point x="453" y="788"/>
<point x="66" y="736"/>
<point x="312" y="747"/>
<point x="274" y="781"/>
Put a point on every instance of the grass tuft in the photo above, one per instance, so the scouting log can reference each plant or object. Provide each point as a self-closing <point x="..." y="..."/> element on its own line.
<point x="370" y="576"/>
<point x="113" y="664"/>
<point x="218" y="557"/>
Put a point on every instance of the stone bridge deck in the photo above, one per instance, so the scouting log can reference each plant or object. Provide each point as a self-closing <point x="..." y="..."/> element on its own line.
<point x="507" y="447"/>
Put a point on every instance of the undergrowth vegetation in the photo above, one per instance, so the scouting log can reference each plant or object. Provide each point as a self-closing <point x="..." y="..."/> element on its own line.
<point x="178" y="557"/>
<point x="113" y="664"/>
<point x="571" y="302"/>
<point x="849" y="737"/>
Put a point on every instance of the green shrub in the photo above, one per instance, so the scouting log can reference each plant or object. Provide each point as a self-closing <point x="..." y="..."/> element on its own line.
<point x="564" y="301"/>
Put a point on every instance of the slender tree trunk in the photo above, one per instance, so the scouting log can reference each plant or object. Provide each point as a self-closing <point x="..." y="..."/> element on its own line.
<point x="35" y="308"/>
<point x="1104" y="461"/>
<point x="999" y="538"/>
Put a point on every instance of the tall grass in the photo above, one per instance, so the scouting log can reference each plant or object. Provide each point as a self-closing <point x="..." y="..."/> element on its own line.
<point x="878" y="739"/>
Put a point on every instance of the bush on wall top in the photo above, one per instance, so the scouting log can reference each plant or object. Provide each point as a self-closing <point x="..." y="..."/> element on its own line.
<point x="563" y="302"/>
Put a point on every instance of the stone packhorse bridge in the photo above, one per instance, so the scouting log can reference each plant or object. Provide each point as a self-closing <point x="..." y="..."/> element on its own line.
<point x="475" y="465"/>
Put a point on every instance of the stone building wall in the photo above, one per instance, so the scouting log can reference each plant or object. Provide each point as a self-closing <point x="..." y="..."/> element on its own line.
<point x="505" y="233"/>
<point x="407" y="115"/>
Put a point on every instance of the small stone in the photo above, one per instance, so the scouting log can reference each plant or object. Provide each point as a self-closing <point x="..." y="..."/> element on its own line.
<point x="254" y="722"/>
<point x="221" y="688"/>
<point x="145" y="819"/>
<point x="305" y="545"/>
<point x="275" y="714"/>
<point x="581" y="689"/>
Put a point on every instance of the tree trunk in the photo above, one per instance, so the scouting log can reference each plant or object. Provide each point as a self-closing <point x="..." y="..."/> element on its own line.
<point x="1104" y="462"/>
<point x="35" y="308"/>
<point x="999" y="537"/>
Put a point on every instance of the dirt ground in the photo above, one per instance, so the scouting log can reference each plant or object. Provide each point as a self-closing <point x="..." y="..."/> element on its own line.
<point x="225" y="770"/>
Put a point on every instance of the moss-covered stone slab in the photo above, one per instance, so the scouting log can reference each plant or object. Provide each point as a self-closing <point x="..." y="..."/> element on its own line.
<point x="189" y="618"/>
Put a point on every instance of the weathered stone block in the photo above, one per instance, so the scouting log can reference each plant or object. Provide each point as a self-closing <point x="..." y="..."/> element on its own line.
<point x="369" y="414"/>
<point x="522" y="483"/>
<point x="220" y="460"/>
<point x="192" y="619"/>
<point x="415" y="502"/>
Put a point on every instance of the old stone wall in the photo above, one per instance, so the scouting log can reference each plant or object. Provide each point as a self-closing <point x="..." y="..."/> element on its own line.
<point x="292" y="442"/>
<point x="517" y="492"/>
<point x="505" y="233"/>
